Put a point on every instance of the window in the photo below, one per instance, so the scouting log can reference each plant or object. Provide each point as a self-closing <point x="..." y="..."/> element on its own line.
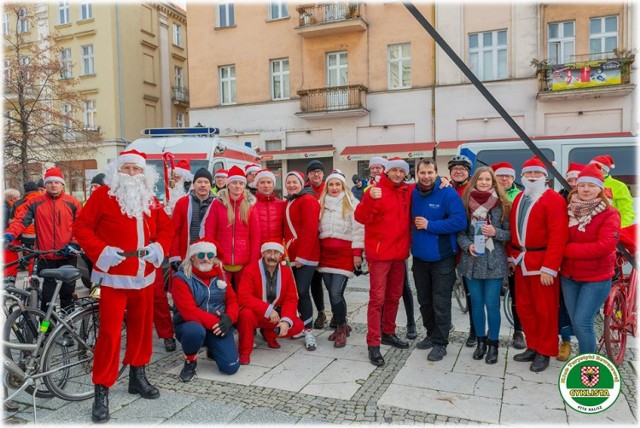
<point x="280" y="79"/>
<point x="177" y="35"/>
<point x="23" y="69"/>
<point x="227" y="84"/>
<point x="399" y="66"/>
<point x="562" y="42"/>
<point x="226" y="15"/>
<point x="5" y="24"/>
<point x="63" y="12"/>
<point x="87" y="60"/>
<point x="7" y="72"/>
<point x="278" y="10"/>
<point x="179" y="77"/>
<point x="180" y="120"/>
<point x="603" y="36"/>
<point x="67" y="122"/>
<point x="488" y="55"/>
<point x="23" y="23"/>
<point x="89" y="114"/>
<point x="66" y="70"/>
<point x="86" y="10"/>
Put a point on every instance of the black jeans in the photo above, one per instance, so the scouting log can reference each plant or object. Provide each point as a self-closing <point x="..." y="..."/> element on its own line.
<point x="303" y="275"/>
<point x="512" y="290"/>
<point x="336" y="284"/>
<point x="49" y="284"/>
<point x="407" y="297"/>
<point x="317" y="292"/>
<point x="434" y="284"/>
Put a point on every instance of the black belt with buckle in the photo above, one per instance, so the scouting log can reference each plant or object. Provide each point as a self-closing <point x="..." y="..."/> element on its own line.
<point x="523" y="249"/>
<point x="137" y="253"/>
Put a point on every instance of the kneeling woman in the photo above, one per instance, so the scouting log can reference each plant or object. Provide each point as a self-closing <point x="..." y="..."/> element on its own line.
<point x="205" y="309"/>
<point x="485" y="202"/>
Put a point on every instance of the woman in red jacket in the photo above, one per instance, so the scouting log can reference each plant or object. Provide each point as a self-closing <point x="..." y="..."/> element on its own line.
<point x="589" y="257"/>
<point x="302" y="245"/>
<point x="232" y="221"/>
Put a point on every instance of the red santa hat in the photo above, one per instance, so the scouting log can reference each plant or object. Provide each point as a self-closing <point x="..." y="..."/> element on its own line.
<point x="296" y="174"/>
<point x="236" y="174"/>
<point x="203" y="245"/>
<point x="504" y="168"/>
<point x="592" y="173"/>
<point x="183" y="169"/>
<point x="132" y="156"/>
<point x="534" y="164"/>
<point x="53" y="174"/>
<point x="574" y="170"/>
<point x="272" y="245"/>
<point x="377" y="160"/>
<point x="252" y="168"/>
<point x="605" y="161"/>
<point x="336" y="173"/>
<point x="397" y="163"/>
<point x="265" y="173"/>
<point x="221" y="173"/>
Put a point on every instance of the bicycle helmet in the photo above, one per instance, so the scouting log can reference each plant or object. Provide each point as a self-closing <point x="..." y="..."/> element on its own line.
<point x="459" y="160"/>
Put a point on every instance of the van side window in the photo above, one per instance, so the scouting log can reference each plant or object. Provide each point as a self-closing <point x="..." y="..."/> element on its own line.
<point x="216" y="166"/>
<point x="514" y="157"/>
<point x="624" y="159"/>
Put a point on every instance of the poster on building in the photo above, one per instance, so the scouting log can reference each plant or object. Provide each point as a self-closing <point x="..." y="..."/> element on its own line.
<point x="586" y="74"/>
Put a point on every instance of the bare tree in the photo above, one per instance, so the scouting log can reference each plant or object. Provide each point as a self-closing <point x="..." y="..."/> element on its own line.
<point x="42" y="109"/>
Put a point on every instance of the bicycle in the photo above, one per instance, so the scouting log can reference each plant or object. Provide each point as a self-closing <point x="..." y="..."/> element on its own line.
<point x="507" y="308"/>
<point x="460" y="294"/>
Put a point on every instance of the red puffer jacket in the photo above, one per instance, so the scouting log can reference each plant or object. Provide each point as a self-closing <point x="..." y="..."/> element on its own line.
<point x="271" y="216"/>
<point x="301" y="228"/>
<point x="590" y="255"/>
<point x="240" y="241"/>
<point x="386" y="221"/>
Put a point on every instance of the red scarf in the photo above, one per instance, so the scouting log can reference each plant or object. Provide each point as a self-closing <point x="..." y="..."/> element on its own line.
<point x="206" y="276"/>
<point x="480" y="203"/>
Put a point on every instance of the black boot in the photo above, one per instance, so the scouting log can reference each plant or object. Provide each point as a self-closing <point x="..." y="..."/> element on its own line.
<point x="375" y="356"/>
<point x="138" y="383"/>
<point x="100" y="410"/>
<point x="481" y="349"/>
<point x="492" y="353"/>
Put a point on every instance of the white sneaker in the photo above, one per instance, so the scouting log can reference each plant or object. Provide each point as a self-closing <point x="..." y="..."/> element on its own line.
<point x="309" y="340"/>
<point x="299" y="335"/>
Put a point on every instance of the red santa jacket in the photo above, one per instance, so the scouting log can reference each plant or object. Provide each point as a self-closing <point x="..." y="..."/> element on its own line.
<point x="539" y="235"/>
<point x="239" y="241"/>
<point x="181" y="219"/>
<point x="252" y="292"/>
<point x="387" y="235"/>
<point x="590" y="255"/>
<point x="102" y="224"/>
<point x="271" y="216"/>
<point x="301" y="228"/>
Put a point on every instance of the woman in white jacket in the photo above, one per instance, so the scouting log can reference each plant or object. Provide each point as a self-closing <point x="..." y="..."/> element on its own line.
<point x="341" y="247"/>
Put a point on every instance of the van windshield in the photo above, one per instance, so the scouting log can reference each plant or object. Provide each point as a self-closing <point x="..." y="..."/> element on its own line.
<point x="515" y="157"/>
<point x="160" y="186"/>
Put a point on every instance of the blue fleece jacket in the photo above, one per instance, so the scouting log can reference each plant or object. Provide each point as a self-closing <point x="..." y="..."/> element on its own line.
<point x="446" y="215"/>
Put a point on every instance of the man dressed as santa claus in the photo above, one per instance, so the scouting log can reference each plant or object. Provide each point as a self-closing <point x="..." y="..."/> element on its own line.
<point x="125" y="232"/>
<point x="539" y="233"/>
<point x="179" y="184"/>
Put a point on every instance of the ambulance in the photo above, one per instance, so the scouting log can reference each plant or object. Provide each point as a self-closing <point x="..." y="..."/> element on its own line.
<point x="200" y="146"/>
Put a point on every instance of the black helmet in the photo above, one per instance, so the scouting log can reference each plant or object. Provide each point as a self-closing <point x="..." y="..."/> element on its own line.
<point x="460" y="160"/>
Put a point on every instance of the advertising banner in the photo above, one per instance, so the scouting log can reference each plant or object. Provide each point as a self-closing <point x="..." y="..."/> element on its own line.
<point x="586" y="74"/>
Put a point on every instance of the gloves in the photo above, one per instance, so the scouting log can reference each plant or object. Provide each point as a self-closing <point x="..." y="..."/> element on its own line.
<point x="109" y="257"/>
<point x="71" y="249"/>
<point x="175" y="265"/>
<point x="8" y="239"/>
<point x="225" y="323"/>
<point x="154" y="254"/>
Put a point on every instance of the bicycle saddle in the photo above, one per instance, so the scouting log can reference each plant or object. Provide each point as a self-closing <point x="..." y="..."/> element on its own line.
<point x="63" y="273"/>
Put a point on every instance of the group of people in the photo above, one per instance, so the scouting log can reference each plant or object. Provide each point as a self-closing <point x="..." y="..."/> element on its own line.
<point x="243" y="259"/>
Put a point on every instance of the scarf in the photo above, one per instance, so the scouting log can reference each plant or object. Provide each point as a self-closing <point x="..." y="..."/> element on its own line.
<point x="480" y="203"/>
<point x="581" y="212"/>
<point x="206" y="276"/>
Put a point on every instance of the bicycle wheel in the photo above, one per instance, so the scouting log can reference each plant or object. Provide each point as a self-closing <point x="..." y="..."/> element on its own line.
<point x="507" y="309"/>
<point x="461" y="295"/>
<point x="22" y="327"/>
<point x="615" y="332"/>
<point x="69" y="354"/>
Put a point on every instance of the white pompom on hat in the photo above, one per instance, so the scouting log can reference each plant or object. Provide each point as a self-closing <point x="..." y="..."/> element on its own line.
<point x="605" y="161"/>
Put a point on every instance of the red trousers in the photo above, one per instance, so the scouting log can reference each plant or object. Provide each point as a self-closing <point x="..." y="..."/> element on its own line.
<point x="161" y="310"/>
<point x="386" y="280"/>
<point x="11" y="256"/>
<point x="139" y="307"/>
<point x="537" y="307"/>
<point x="248" y="321"/>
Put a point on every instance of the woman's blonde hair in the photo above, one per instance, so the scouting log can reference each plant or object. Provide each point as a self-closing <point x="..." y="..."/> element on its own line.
<point x="223" y="197"/>
<point x="347" y="205"/>
<point x="504" y="203"/>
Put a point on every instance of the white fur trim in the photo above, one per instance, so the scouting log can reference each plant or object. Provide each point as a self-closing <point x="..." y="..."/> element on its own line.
<point x="237" y="178"/>
<point x="272" y="246"/>
<point x="131" y="158"/>
<point x="348" y="274"/>
<point x="572" y="174"/>
<point x="295" y="174"/>
<point x="377" y="160"/>
<point x="587" y="179"/>
<point x="221" y="174"/>
<point x="185" y="173"/>
<point x="397" y="163"/>
<point x="603" y="166"/>
<point x="202" y="247"/>
<point x="265" y="174"/>
<point x="506" y="171"/>
<point x="336" y="175"/>
<point x="252" y="169"/>
<point x="535" y="168"/>
<point x="54" y="178"/>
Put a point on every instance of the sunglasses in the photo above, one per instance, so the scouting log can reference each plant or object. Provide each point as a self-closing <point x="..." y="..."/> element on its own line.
<point x="209" y="255"/>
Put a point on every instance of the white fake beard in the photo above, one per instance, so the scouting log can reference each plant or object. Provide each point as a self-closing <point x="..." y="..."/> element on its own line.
<point x="176" y="193"/>
<point x="534" y="188"/>
<point x="205" y="267"/>
<point x="133" y="193"/>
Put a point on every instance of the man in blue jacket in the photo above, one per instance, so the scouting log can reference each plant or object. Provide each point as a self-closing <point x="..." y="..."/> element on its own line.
<point x="438" y="215"/>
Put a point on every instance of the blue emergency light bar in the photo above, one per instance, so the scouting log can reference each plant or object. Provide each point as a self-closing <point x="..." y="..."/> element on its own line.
<point x="167" y="132"/>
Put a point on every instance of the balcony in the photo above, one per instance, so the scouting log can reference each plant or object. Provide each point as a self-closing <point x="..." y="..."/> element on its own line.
<point x="337" y="101"/>
<point x="319" y="20"/>
<point x="180" y="95"/>
<point x="607" y="76"/>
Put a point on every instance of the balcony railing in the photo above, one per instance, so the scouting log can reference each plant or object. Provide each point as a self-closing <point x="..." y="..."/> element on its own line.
<point x="180" y="95"/>
<point x="337" y="99"/>
<point x="312" y="14"/>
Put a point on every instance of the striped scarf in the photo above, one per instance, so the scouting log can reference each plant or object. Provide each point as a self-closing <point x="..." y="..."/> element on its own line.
<point x="581" y="212"/>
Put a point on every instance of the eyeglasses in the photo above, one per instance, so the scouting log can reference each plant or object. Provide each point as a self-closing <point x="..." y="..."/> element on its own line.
<point x="209" y="255"/>
<point x="458" y="169"/>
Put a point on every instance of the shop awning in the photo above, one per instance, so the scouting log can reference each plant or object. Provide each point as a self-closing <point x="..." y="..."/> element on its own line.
<point x="402" y="150"/>
<point x="298" y="153"/>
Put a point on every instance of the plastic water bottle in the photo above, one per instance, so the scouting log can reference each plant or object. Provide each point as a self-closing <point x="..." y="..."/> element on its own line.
<point x="478" y="237"/>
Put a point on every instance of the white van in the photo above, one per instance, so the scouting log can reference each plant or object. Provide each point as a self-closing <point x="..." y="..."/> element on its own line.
<point x="562" y="150"/>
<point x="202" y="147"/>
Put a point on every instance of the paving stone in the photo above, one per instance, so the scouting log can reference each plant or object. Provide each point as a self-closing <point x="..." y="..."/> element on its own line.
<point x="519" y="414"/>
<point x="524" y="392"/>
<point x="339" y="379"/>
<point x="294" y="373"/>
<point x="205" y="412"/>
<point x="143" y="410"/>
<point x="619" y="413"/>
<point x="264" y="417"/>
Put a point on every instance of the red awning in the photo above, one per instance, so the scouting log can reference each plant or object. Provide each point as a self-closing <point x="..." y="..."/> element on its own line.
<point x="298" y="153"/>
<point x="402" y="150"/>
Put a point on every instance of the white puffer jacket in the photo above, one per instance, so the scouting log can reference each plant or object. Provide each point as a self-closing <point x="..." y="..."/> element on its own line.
<point x="332" y="225"/>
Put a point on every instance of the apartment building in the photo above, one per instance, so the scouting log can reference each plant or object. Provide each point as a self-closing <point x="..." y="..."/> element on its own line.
<point x="130" y="61"/>
<point x="343" y="82"/>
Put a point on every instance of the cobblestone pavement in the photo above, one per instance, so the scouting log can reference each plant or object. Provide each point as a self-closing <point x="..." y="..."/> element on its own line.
<point x="407" y="390"/>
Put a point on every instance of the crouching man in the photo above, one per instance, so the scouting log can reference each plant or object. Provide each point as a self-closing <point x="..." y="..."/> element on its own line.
<point x="269" y="301"/>
<point x="205" y="310"/>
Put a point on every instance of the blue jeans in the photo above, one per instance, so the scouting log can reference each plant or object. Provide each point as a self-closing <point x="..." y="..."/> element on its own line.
<point x="583" y="299"/>
<point x="193" y="336"/>
<point x="336" y="284"/>
<point x="485" y="293"/>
